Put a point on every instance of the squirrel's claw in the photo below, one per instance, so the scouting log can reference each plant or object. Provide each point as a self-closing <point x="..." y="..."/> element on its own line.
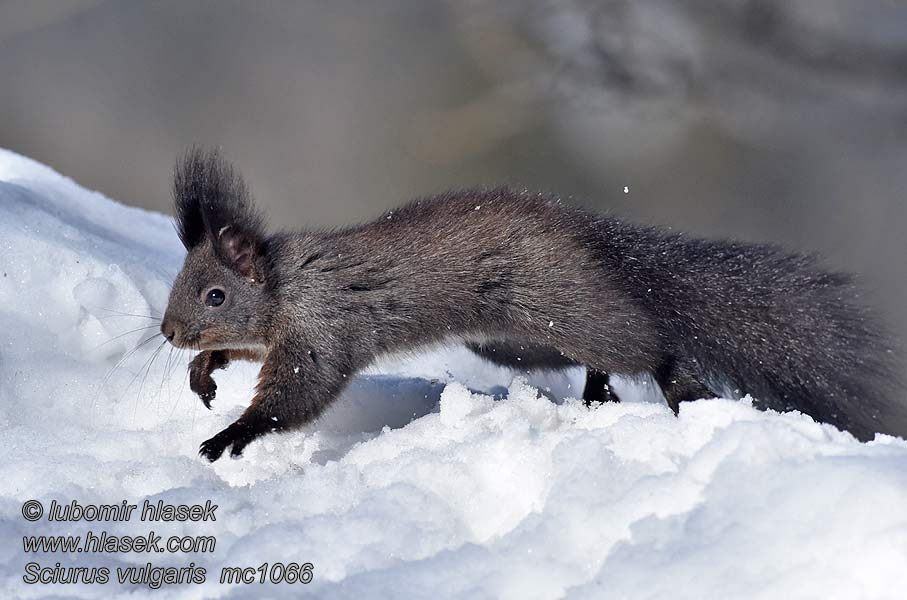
<point x="213" y="448"/>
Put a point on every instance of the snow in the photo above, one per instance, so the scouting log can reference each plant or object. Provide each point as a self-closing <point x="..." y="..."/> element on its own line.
<point x="423" y="480"/>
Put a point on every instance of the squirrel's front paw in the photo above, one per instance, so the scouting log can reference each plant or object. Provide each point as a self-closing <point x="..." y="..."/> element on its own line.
<point x="200" y="369"/>
<point x="238" y="435"/>
<point x="203" y="385"/>
<point x="213" y="448"/>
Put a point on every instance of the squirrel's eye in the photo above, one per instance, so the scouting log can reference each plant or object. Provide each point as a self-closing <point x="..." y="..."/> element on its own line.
<point x="215" y="297"/>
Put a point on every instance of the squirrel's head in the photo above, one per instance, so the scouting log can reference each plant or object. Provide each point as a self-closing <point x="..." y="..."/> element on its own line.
<point x="220" y="297"/>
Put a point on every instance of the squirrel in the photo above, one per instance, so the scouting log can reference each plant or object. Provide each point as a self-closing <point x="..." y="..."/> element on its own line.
<point x="524" y="280"/>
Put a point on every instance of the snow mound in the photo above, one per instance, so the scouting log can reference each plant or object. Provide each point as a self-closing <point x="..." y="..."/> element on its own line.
<point x="416" y="484"/>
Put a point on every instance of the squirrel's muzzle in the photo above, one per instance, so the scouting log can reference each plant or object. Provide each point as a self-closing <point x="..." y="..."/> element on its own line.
<point x="172" y="330"/>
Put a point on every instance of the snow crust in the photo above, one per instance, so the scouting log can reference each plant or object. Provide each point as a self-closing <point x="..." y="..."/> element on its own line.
<point x="424" y="480"/>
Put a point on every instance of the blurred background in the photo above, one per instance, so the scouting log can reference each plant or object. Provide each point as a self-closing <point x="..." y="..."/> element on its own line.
<point x="780" y="120"/>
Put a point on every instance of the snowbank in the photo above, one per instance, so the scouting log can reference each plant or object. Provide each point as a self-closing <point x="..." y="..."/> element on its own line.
<point x="413" y="485"/>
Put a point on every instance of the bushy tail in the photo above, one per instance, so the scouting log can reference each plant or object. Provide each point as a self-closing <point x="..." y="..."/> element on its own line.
<point x="800" y="339"/>
<point x="755" y="319"/>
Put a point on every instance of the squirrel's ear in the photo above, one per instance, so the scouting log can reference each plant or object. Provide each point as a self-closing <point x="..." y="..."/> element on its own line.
<point x="212" y="202"/>
<point x="241" y="251"/>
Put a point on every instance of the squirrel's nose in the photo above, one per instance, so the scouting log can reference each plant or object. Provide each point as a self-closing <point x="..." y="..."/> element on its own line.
<point x="169" y="329"/>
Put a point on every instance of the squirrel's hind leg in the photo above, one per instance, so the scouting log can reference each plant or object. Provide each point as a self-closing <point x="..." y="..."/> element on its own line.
<point x="680" y="383"/>
<point x="598" y="388"/>
<point x="534" y="357"/>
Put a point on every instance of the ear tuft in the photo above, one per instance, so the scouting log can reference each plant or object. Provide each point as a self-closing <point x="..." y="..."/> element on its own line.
<point x="212" y="202"/>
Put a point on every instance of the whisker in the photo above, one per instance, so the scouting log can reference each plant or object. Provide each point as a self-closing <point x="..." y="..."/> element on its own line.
<point x="126" y="356"/>
<point x="144" y="365"/>
<point x="147" y="369"/>
<point x="105" y="318"/>
<point x="126" y="314"/>
<point x="113" y="339"/>
<point x="164" y="373"/>
<point x="179" y="397"/>
<point x="136" y="376"/>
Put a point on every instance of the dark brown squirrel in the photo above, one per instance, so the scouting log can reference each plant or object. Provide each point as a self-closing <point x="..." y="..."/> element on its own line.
<point x="525" y="281"/>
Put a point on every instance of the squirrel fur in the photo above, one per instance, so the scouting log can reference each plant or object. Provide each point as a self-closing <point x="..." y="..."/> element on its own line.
<point x="524" y="280"/>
